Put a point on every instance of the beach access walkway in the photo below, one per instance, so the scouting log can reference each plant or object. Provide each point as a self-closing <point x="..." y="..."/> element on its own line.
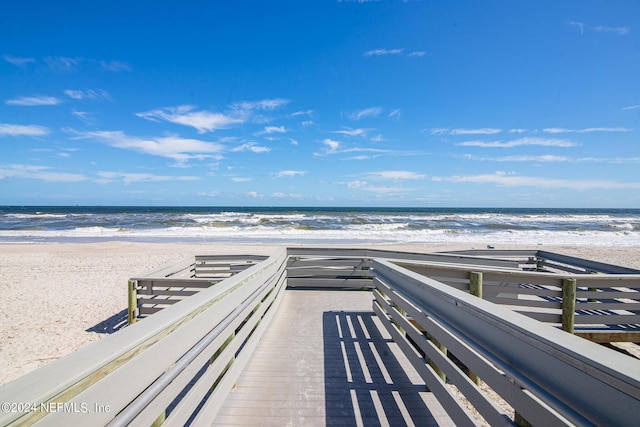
<point x="356" y="337"/>
<point x="327" y="360"/>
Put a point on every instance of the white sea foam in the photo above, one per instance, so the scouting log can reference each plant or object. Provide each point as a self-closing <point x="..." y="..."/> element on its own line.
<point x="310" y="225"/>
<point x="366" y="233"/>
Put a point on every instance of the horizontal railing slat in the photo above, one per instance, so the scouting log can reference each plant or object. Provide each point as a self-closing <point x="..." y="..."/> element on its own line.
<point x="164" y="398"/>
<point x="149" y="365"/>
<point x="551" y="363"/>
<point x="485" y="406"/>
<point x="491" y="371"/>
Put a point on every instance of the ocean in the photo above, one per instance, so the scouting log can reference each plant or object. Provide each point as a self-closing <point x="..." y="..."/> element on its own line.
<point x="478" y="227"/>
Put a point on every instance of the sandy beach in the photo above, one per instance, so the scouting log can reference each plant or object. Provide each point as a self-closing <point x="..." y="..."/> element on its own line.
<point x="57" y="298"/>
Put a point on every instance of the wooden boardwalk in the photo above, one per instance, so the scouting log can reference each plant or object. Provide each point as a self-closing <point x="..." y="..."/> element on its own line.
<point x="282" y="342"/>
<point x="326" y="360"/>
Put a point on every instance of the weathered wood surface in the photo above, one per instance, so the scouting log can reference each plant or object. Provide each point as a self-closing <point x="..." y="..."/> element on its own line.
<point x="184" y="361"/>
<point x="529" y="282"/>
<point x="163" y="287"/>
<point x="606" y="300"/>
<point x="325" y="362"/>
<point x="162" y="367"/>
<point x="548" y="376"/>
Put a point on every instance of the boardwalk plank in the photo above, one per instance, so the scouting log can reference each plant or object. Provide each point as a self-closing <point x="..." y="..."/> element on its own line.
<point x="325" y="360"/>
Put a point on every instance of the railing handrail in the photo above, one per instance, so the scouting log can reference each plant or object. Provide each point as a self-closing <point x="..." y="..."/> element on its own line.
<point x="572" y="375"/>
<point x="70" y="375"/>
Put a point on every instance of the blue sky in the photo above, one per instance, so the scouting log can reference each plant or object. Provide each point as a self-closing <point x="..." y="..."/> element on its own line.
<point x="320" y="103"/>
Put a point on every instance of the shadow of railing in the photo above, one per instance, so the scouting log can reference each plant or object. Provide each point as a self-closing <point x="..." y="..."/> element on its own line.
<point x="364" y="381"/>
<point x="110" y="325"/>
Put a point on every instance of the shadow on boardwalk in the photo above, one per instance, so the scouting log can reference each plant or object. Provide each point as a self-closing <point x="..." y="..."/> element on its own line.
<point x="365" y="384"/>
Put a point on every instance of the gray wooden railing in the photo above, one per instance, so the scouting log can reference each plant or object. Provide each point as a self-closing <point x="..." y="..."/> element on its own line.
<point x="548" y="377"/>
<point x="172" y="368"/>
<point x="600" y="307"/>
<point x="167" y="285"/>
<point x="177" y="365"/>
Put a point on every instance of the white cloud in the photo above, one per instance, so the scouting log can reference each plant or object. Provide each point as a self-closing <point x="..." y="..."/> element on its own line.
<point x="32" y="101"/>
<point x="293" y="141"/>
<point x="544" y="142"/>
<point x="251" y="146"/>
<point x="543" y="158"/>
<point x="461" y="131"/>
<point x="417" y="54"/>
<point x="586" y="130"/>
<point x="207" y="121"/>
<point x="129" y="178"/>
<point x="245" y="108"/>
<point x="352" y="132"/>
<point x="621" y="31"/>
<point x="357" y="184"/>
<point x="517" y="130"/>
<point x="439" y="131"/>
<point x="482" y="131"/>
<point x="366" y="186"/>
<point x="630" y="107"/>
<point x="172" y="147"/>
<point x="382" y="52"/>
<point x="87" y="94"/>
<point x="115" y="66"/>
<point x="308" y="113"/>
<point x="83" y="115"/>
<point x="62" y="63"/>
<point x="240" y="179"/>
<point x="396" y="175"/>
<point x="332" y="145"/>
<point x="289" y="173"/>
<point x="272" y="129"/>
<point x="7" y="129"/>
<point x="395" y="114"/>
<point x="363" y="157"/>
<point x="365" y="113"/>
<point x="553" y="158"/>
<point x="18" y="61"/>
<point x="281" y="195"/>
<point x="209" y="194"/>
<point x="202" y="121"/>
<point x="42" y="173"/>
<point x="578" y="25"/>
<point x="513" y="180"/>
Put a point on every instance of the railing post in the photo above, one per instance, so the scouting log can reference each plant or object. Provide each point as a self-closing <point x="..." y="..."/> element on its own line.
<point x="520" y="421"/>
<point x="475" y="288"/>
<point x="132" y="302"/>
<point x="160" y="420"/>
<point x="404" y="315"/>
<point x="218" y="353"/>
<point x="475" y="283"/>
<point x="568" y="304"/>
<point x="443" y="349"/>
